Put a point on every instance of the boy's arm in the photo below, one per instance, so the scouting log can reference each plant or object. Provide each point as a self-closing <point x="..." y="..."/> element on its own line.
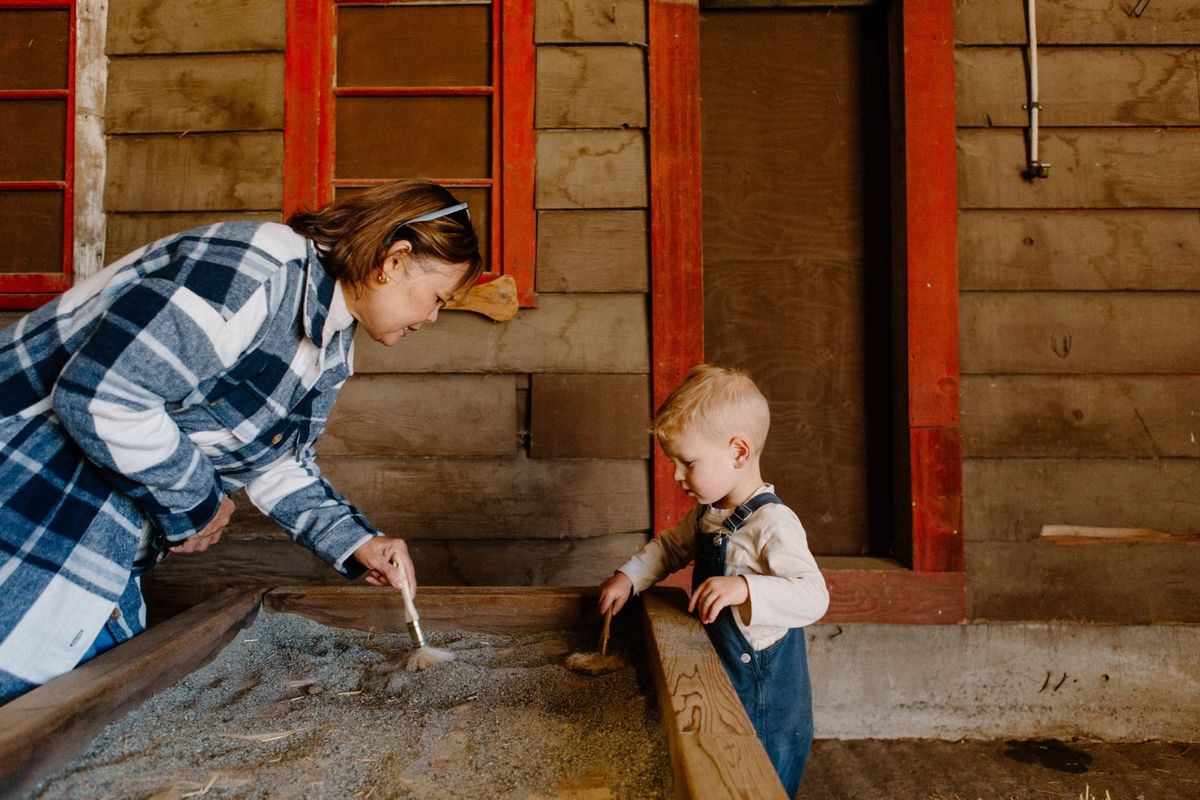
<point x="659" y="557"/>
<point x="793" y="593"/>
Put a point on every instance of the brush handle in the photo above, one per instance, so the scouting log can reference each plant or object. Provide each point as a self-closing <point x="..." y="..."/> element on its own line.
<point x="604" y="632"/>
<point x="410" y="610"/>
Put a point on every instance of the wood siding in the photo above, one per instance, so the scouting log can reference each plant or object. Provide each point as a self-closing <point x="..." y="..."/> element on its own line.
<point x="1080" y="406"/>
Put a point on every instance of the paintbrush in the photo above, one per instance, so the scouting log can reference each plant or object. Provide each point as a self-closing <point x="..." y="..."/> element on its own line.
<point x="424" y="656"/>
<point x="597" y="663"/>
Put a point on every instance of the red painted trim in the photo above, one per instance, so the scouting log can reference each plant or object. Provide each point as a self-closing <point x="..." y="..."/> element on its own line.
<point x="24" y="302"/>
<point x="447" y="182"/>
<point x="68" y="244"/>
<point x="301" y="107"/>
<point x="33" y="94"/>
<point x="931" y="246"/>
<point x="29" y="282"/>
<point x="676" y="281"/>
<point x="411" y="91"/>
<point x="517" y="65"/>
<point x="36" y="4"/>
<point x="326" y="158"/>
<point x="33" y="186"/>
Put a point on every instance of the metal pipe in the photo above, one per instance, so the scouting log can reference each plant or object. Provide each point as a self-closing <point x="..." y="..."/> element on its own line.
<point x="1034" y="167"/>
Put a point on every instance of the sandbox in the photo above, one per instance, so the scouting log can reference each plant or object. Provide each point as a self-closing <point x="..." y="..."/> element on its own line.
<point x="310" y="699"/>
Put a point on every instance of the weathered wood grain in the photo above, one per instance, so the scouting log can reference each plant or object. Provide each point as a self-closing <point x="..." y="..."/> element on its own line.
<point x="587" y="333"/>
<point x="893" y="596"/>
<point x="590" y="21"/>
<point x="221" y="92"/>
<point x="91" y="147"/>
<point x="426" y="415"/>
<point x="1011" y="499"/>
<point x="593" y="251"/>
<point x="1155" y="250"/>
<point x="1076" y="416"/>
<point x="1092" y="168"/>
<point x="1073" y="333"/>
<point x="197" y="172"/>
<point x="1131" y="583"/>
<point x="1078" y="86"/>
<point x="181" y="582"/>
<point x="591" y="169"/>
<point x="591" y="87"/>
<point x="128" y="232"/>
<point x="478" y="608"/>
<point x="715" y="751"/>
<point x="590" y="416"/>
<point x="52" y="724"/>
<point x="477" y="499"/>
<point x="1079" y="22"/>
<point x="195" y="26"/>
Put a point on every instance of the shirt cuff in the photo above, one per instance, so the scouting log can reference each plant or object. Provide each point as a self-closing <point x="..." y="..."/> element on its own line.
<point x="349" y="566"/>
<point x="180" y="525"/>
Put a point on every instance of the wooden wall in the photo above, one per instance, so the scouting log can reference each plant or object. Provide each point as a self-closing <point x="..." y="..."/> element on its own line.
<point x="1079" y="310"/>
<point x="511" y="453"/>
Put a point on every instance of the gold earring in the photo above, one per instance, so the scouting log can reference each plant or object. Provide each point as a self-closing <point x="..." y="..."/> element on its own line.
<point x="382" y="277"/>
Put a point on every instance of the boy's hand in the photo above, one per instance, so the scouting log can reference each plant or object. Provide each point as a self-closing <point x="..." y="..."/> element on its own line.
<point x="717" y="593"/>
<point x="614" y="593"/>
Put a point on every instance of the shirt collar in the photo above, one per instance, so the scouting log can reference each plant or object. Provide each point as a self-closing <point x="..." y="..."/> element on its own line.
<point x="325" y="311"/>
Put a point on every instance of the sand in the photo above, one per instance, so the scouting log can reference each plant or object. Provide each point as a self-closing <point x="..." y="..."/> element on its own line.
<point x="294" y="709"/>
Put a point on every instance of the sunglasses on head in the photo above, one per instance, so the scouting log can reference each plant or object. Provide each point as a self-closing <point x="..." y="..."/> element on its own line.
<point x="458" y="212"/>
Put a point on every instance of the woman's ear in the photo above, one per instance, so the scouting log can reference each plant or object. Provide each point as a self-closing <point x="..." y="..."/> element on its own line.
<point x="393" y="260"/>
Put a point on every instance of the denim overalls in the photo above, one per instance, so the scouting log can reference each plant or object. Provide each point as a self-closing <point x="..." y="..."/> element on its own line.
<point x="772" y="683"/>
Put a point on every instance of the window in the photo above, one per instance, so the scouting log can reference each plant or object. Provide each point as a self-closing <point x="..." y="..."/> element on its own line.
<point x="443" y="91"/>
<point x="37" y="102"/>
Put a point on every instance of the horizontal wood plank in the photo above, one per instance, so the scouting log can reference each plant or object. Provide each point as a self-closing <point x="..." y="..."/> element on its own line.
<point x="1085" y="332"/>
<point x="894" y="596"/>
<point x="125" y="233"/>
<point x="477" y="499"/>
<point x="1079" y="22"/>
<point x="594" y="251"/>
<point x="590" y="21"/>
<point x="591" y="87"/>
<point x="566" y="333"/>
<point x="181" y="582"/>
<point x="197" y="172"/>
<point x="591" y="169"/>
<point x="52" y="724"/>
<point x="222" y="92"/>
<point x="1091" y="168"/>
<point x="1076" y="416"/>
<point x="425" y="415"/>
<point x="1012" y="499"/>
<point x="1078" y="86"/>
<point x="1092" y="250"/>
<point x="590" y="416"/>
<point x="195" y="26"/>
<point x="1131" y="583"/>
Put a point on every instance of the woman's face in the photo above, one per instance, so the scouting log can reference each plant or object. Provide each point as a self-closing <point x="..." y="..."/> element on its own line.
<point x="412" y="295"/>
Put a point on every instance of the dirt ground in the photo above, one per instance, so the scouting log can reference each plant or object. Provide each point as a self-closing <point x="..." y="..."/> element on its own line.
<point x="922" y="769"/>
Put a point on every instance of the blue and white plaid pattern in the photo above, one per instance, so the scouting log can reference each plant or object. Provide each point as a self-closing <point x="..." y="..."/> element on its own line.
<point x="203" y="363"/>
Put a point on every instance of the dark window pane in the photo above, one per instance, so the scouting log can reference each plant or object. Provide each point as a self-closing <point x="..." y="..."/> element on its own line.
<point x="414" y="137"/>
<point x="33" y="48"/>
<point x="414" y="46"/>
<point x="33" y="231"/>
<point x="33" y="133"/>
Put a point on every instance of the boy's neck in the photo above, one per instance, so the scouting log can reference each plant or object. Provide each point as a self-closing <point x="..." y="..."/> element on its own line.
<point x="746" y="486"/>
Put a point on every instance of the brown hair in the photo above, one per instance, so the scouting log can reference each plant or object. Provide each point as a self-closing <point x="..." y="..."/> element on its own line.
<point x="722" y="401"/>
<point x="351" y="232"/>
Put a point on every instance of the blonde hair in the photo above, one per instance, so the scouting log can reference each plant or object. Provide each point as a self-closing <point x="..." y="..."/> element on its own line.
<point x="717" y="400"/>
<point x="352" y="232"/>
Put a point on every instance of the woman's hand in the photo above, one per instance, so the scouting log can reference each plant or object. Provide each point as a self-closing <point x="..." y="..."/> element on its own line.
<point x="717" y="593"/>
<point x="376" y="555"/>
<point x="614" y="593"/>
<point x="199" y="542"/>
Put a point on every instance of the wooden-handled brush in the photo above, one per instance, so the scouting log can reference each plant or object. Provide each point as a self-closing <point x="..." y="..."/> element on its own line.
<point x="423" y="656"/>
<point x="597" y="663"/>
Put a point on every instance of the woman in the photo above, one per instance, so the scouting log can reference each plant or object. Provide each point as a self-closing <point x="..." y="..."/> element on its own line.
<point x="135" y="403"/>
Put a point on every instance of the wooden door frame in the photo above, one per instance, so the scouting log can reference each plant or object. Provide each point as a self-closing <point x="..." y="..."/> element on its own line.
<point x="932" y="588"/>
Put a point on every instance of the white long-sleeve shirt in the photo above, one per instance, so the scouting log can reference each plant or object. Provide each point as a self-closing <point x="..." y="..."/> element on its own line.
<point x="770" y="550"/>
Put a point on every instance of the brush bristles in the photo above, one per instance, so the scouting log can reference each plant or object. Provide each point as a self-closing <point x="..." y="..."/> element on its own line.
<point x="426" y="657"/>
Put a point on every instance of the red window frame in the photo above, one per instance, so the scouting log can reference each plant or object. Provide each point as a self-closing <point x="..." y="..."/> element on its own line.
<point x="933" y="590"/>
<point x="27" y="290"/>
<point x="309" y="125"/>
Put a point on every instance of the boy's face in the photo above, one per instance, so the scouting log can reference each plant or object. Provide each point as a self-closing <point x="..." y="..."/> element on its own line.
<point x="705" y="466"/>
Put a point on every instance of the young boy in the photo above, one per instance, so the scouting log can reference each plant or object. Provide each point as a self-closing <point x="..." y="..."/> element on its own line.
<point x="755" y="585"/>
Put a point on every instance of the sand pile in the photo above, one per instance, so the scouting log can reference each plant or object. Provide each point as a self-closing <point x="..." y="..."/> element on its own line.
<point x="294" y="709"/>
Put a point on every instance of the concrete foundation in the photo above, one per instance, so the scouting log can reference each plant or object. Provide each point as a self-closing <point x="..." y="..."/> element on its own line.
<point x="1005" y="680"/>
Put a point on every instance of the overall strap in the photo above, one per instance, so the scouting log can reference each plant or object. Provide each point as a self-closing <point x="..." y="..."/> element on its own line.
<point x="741" y="513"/>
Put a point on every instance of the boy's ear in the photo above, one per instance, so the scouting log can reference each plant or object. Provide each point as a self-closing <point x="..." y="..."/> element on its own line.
<point x="740" y="450"/>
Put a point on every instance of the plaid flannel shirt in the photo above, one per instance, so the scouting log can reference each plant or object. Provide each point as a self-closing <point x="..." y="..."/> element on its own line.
<point x="129" y="406"/>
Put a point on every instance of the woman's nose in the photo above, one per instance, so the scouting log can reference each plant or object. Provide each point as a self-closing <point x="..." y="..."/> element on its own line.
<point x="432" y="315"/>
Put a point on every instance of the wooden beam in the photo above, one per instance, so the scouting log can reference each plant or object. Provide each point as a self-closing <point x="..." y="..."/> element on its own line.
<point x="50" y="725"/>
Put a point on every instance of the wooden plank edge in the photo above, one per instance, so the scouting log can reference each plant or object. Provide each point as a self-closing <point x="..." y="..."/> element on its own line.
<point x="49" y="726"/>
<point x="500" y="609"/>
<point x="897" y="597"/>
<point x="702" y="757"/>
<point x="1083" y="534"/>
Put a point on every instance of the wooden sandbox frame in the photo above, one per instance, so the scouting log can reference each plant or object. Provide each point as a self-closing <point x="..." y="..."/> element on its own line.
<point x="713" y="749"/>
